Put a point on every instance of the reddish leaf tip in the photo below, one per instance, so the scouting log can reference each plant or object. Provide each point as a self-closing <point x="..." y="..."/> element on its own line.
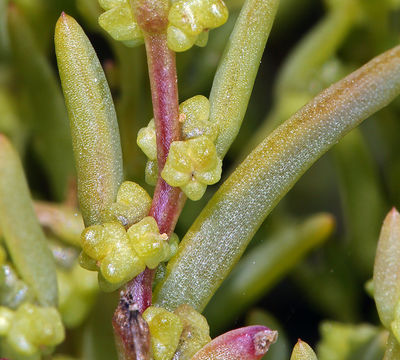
<point x="263" y="340"/>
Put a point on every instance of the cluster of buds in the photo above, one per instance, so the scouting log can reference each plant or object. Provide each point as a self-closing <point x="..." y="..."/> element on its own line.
<point x="126" y="242"/>
<point x="192" y="163"/>
<point x="176" y="335"/>
<point x="188" y="22"/>
<point x="30" y="330"/>
<point x="133" y="204"/>
<point x="119" y="21"/>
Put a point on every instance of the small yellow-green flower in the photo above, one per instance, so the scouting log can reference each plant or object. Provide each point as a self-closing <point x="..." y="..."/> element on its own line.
<point x="133" y="204"/>
<point x="146" y="140"/>
<point x="119" y="21"/>
<point x="121" y="255"/>
<point x="151" y="246"/>
<point x="165" y="330"/>
<point x="151" y="172"/>
<point x="192" y="165"/>
<point x="31" y="329"/>
<point x="190" y="20"/>
<point x="194" y="115"/>
<point x="195" y="334"/>
<point x="109" y="246"/>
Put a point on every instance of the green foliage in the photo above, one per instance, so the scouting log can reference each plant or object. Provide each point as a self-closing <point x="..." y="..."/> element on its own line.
<point x="127" y="236"/>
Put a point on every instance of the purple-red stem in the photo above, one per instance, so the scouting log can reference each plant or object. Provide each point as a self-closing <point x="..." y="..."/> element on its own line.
<point x="167" y="201"/>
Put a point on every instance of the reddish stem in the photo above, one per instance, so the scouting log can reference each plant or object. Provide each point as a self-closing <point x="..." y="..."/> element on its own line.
<point x="167" y="201"/>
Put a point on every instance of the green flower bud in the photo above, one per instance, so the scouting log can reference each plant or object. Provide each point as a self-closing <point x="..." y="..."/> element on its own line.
<point x="188" y="19"/>
<point x="87" y="262"/>
<point x="195" y="334"/>
<point x="151" y="172"/>
<point x="34" y="328"/>
<point x="202" y="39"/>
<point x="195" y="113"/>
<point x="108" y="244"/>
<point x="121" y="265"/>
<point x="165" y="329"/>
<point x="151" y="246"/>
<point x="97" y="240"/>
<point x="192" y="165"/>
<point x="146" y="140"/>
<point x="109" y="4"/>
<point x="173" y="246"/>
<point x="133" y="204"/>
<point x="119" y="22"/>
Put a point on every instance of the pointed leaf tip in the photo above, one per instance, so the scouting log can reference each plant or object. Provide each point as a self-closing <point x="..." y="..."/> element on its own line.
<point x="247" y="343"/>
<point x="303" y="351"/>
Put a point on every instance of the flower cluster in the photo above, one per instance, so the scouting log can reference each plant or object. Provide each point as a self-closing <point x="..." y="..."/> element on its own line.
<point x="192" y="163"/>
<point x="133" y="204"/>
<point x="30" y="330"/>
<point x="176" y="335"/>
<point x="121" y="255"/>
<point x="188" y="22"/>
<point x="118" y="20"/>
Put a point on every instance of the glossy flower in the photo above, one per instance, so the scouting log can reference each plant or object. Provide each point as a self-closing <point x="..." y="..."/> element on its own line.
<point x="133" y="204"/>
<point x="190" y="20"/>
<point x="192" y="165"/>
<point x="121" y="255"/>
<point x="195" y="334"/>
<point x="118" y="20"/>
<point x="194" y="116"/>
<point x="165" y="329"/>
<point x="151" y="246"/>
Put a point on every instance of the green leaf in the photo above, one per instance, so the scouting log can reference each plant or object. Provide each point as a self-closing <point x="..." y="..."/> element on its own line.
<point x="264" y="265"/>
<point x="23" y="235"/>
<point x="47" y="113"/>
<point x="387" y="269"/>
<point x="303" y="351"/>
<point x="238" y="68"/>
<point x="94" y="127"/>
<point x="223" y="229"/>
<point x="359" y="186"/>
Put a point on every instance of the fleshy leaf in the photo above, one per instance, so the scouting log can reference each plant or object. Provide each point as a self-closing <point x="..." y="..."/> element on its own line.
<point x="236" y="72"/>
<point x="22" y="233"/>
<point x="248" y="343"/>
<point x="94" y="127"/>
<point x="264" y="265"/>
<point x="387" y="268"/>
<point x="218" y="238"/>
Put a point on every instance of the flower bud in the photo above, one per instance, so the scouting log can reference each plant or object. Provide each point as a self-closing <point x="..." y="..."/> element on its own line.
<point x="165" y="329"/>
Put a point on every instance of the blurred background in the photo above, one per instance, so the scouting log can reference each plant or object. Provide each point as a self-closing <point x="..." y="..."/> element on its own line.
<point x="304" y="273"/>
